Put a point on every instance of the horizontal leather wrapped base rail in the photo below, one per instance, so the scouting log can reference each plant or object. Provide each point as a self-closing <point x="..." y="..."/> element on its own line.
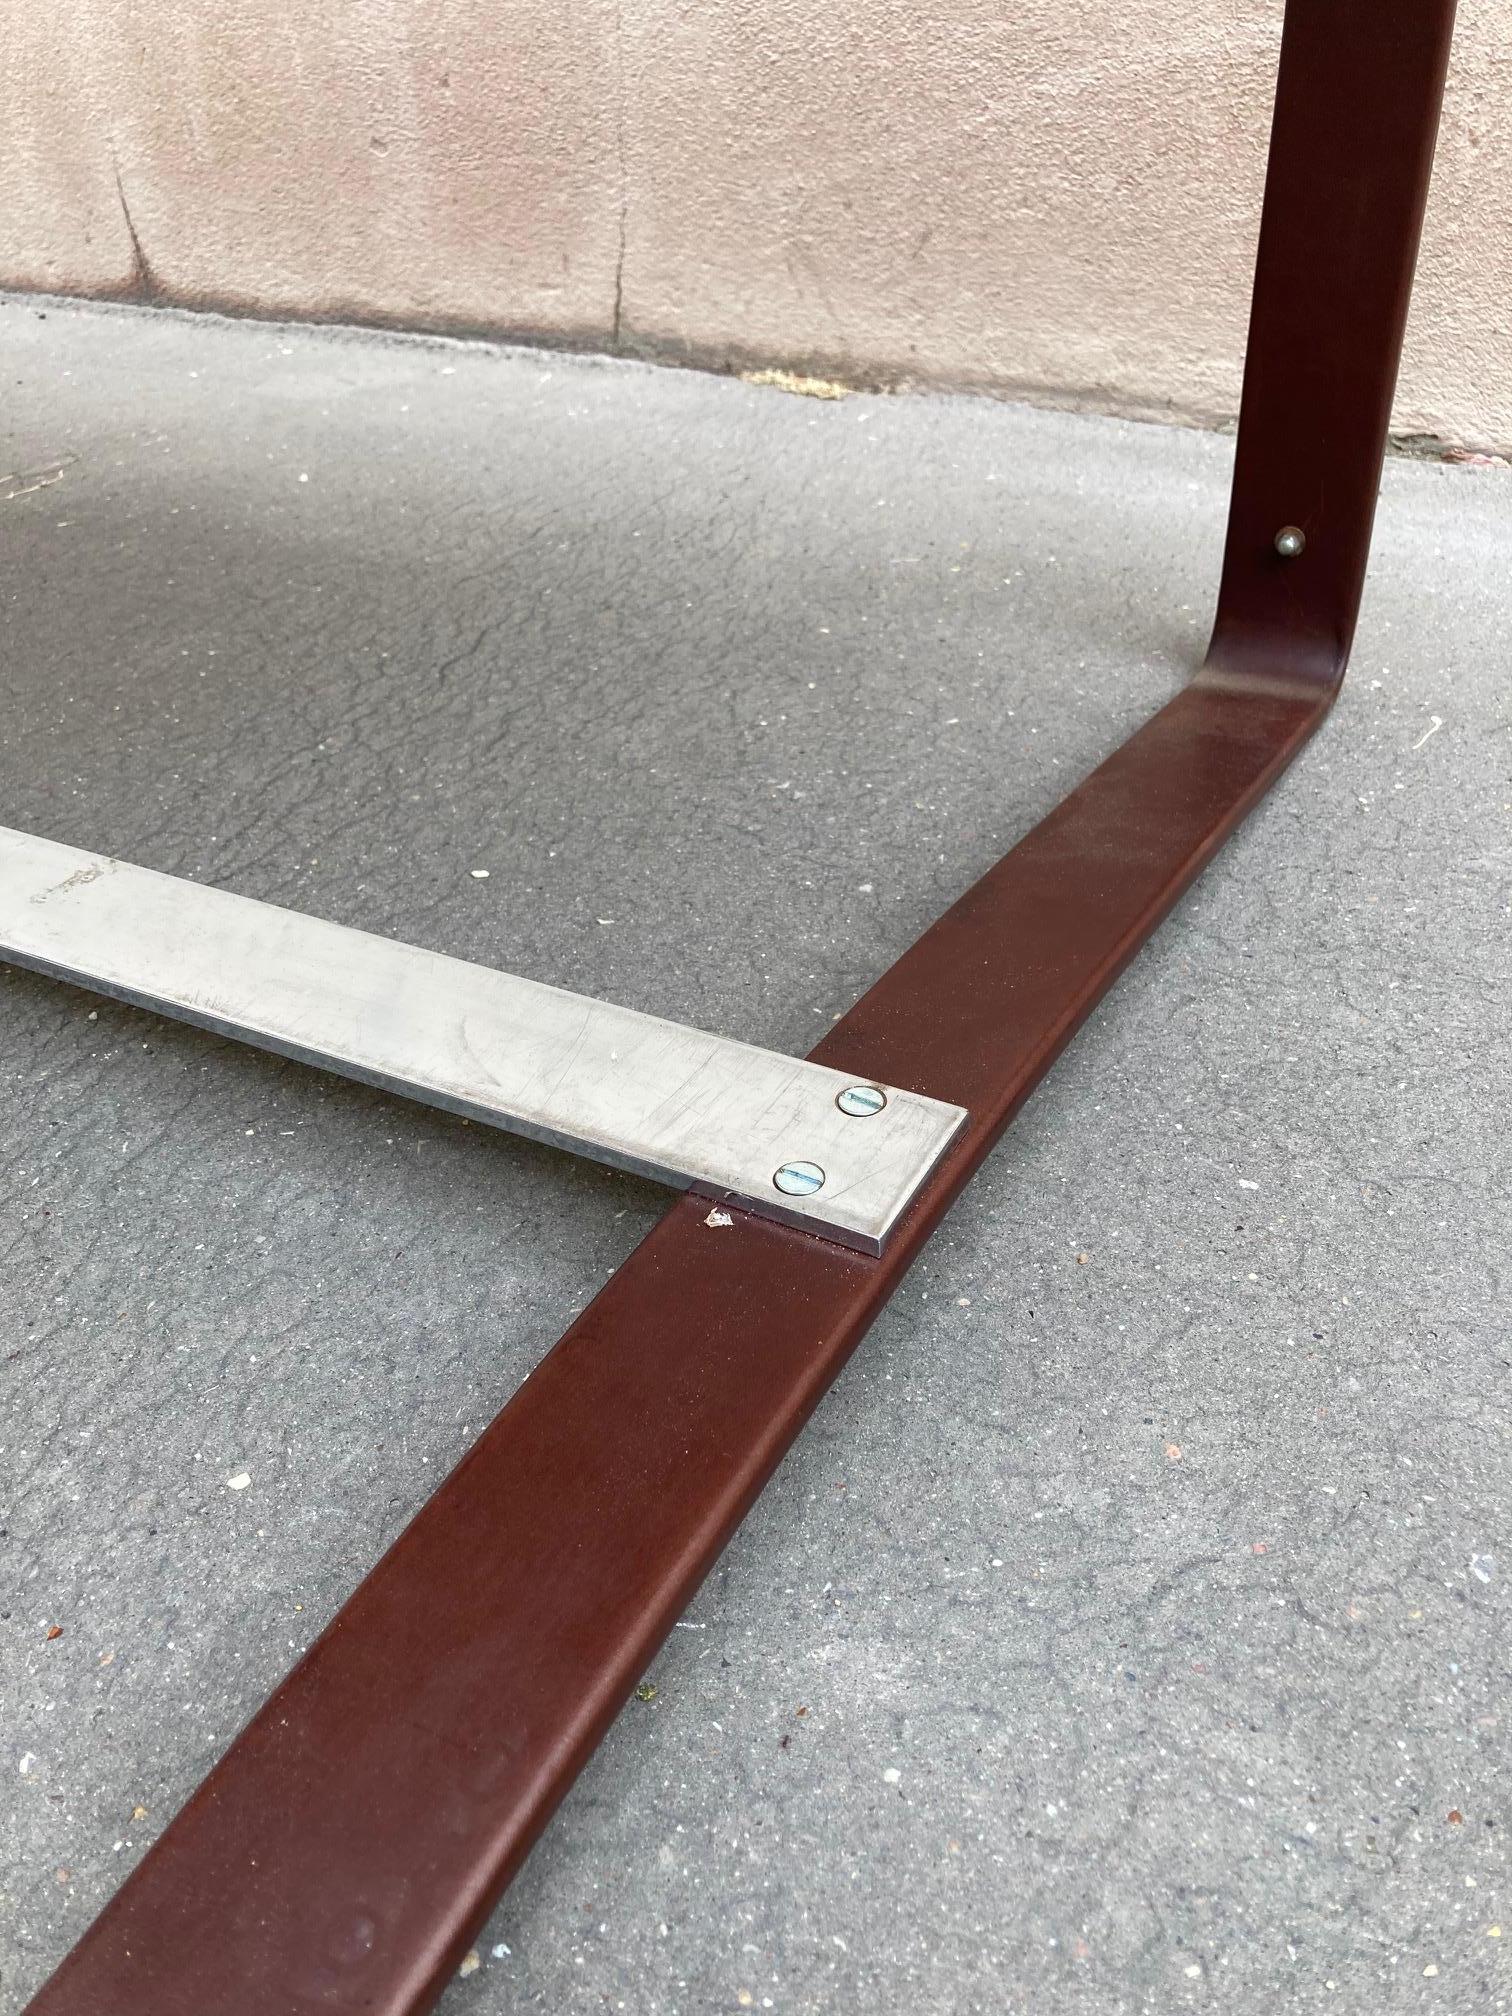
<point x="344" y="1852"/>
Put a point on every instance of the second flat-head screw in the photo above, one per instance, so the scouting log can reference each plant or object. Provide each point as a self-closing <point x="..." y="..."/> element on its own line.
<point x="799" y="1179"/>
<point x="861" y="1101"/>
<point x="1289" y="541"/>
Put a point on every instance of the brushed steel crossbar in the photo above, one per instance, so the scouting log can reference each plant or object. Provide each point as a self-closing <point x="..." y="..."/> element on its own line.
<point x="839" y="1155"/>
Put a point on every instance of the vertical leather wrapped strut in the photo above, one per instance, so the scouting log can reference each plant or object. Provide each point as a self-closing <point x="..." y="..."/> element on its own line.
<point x="1357" y="108"/>
<point x="345" y="1851"/>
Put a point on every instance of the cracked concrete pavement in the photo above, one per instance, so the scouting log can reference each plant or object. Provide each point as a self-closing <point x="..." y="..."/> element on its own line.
<point x="1128" y="1632"/>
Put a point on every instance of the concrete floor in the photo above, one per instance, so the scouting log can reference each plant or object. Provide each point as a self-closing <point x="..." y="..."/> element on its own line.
<point x="1129" y="1632"/>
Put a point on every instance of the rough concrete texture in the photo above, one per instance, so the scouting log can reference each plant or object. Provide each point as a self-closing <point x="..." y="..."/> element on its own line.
<point x="1052" y="200"/>
<point x="1129" y="1631"/>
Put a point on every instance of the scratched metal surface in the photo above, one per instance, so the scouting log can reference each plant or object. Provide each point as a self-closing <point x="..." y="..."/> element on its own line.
<point x="676" y="1104"/>
<point x="1144" y="1583"/>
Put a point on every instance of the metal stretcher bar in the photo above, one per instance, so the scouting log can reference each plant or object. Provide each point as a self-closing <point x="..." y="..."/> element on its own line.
<point x="345" y="1851"/>
<point x="790" y="1139"/>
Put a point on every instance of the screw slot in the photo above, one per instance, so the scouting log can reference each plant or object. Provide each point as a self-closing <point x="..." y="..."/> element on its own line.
<point x="799" y="1179"/>
<point x="1290" y="541"/>
<point x="861" y="1101"/>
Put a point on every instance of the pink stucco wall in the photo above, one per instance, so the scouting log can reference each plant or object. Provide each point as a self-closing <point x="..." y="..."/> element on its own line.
<point x="1052" y="197"/>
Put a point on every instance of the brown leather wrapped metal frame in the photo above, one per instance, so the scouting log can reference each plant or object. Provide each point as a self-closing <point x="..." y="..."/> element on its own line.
<point x="347" y="1848"/>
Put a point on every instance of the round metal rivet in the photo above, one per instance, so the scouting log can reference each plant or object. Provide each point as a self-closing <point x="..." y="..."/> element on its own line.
<point x="799" y="1179"/>
<point x="861" y="1101"/>
<point x="1290" y="540"/>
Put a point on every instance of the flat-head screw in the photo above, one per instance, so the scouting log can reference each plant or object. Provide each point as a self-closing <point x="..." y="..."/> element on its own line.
<point x="799" y="1179"/>
<point x="1290" y="540"/>
<point x="861" y="1101"/>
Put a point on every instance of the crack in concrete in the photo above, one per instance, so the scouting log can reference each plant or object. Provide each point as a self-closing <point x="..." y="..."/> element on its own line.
<point x="145" y="284"/>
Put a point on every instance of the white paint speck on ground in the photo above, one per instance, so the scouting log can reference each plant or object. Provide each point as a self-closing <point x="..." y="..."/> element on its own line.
<point x="239" y="1482"/>
<point x="478" y="874"/>
<point x="718" y="1217"/>
<point x="501" y="1951"/>
<point x="892" y="1775"/>
<point x="1482" y="1567"/>
<point x="27" y="1762"/>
